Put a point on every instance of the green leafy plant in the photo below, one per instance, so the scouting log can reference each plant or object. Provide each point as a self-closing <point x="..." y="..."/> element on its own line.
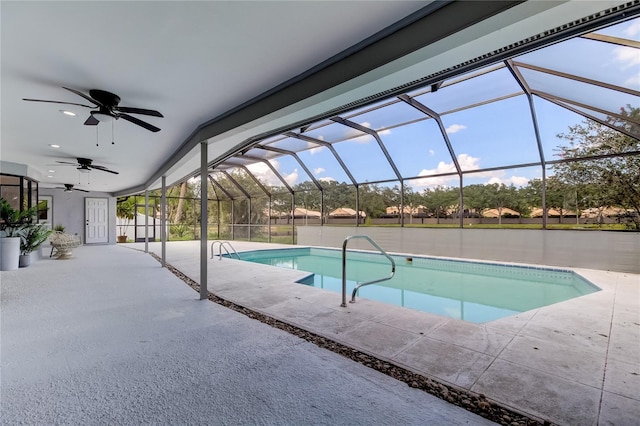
<point x="125" y="209"/>
<point x="59" y="228"/>
<point x="179" y="230"/>
<point x="12" y="221"/>
<point x="32" y="237"/>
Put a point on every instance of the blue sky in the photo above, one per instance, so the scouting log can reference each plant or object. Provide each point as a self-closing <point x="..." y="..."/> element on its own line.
<point x="496" y="134"/>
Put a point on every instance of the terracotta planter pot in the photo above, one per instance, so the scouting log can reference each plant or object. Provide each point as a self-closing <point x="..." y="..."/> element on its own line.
<point x="122" y="238"/>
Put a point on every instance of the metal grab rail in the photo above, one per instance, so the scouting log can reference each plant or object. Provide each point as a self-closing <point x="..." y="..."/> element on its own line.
<point x="223" y="245"/>
<point x="344" y="269"/>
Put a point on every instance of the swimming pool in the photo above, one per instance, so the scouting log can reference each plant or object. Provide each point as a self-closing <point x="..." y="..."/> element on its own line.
<point x="471" y="291"/>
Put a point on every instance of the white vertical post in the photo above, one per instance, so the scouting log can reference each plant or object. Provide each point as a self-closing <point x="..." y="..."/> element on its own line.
<point x="163" y="221"/>
<point x="204" y="174"/>
<point x="269" y="226"/>
<point x="146" y="221"/>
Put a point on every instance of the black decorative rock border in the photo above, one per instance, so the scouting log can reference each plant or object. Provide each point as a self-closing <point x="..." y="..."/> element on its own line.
<point x="476" y="403"/>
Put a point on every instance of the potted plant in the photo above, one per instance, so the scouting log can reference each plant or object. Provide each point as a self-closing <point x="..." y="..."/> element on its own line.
<point x="12" y="224"/>
<point x="125" y="210"/>
<point x="33" y="235"/>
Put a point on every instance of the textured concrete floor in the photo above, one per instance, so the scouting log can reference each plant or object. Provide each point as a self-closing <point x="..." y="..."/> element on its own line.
<point x="109" y="337"/>
<point x="572" y="363"/>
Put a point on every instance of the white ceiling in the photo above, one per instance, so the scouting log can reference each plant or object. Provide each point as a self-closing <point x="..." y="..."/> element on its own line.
<point x="193" y="61"/>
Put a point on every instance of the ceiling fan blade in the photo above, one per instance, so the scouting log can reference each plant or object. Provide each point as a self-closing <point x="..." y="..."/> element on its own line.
<point x="142" y="111"/>
<point x="103" y="169"/>
<point x="91" y="121"/>
<point x="78" y="189"/>
<point x="139" y="122"/>
<point x="67" y="162"/>
<point x="57" y="102"/>
<point x="79" y="93"/>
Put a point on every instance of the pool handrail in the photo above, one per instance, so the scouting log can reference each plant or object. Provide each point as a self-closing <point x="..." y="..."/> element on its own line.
<point x="344" y="269"/>
<point x="223" y="245"/>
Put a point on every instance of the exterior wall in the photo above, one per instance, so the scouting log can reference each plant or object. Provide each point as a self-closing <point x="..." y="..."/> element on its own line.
<point x="614" y="251"/>
<point x="69" y="211"/>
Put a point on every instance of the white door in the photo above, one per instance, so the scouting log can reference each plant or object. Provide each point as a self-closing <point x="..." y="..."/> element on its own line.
<point x="97" y="222"/>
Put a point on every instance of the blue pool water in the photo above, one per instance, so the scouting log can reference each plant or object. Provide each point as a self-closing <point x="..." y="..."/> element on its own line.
<point x="471" y="291"/>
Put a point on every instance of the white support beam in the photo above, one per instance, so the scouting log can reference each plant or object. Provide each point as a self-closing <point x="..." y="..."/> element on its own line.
<point x="204" y="176"/>
<point x="146" y="221"/>
<point x="163" y="221"/>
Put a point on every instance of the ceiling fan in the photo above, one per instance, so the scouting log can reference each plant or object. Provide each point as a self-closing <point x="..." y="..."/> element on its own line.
<point x="69" y="188"/>
<point x="107" y="108"/>
<point x="85" y="165"/>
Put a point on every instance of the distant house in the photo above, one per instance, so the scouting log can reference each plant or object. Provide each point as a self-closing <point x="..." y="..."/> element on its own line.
<point x="412" y="210"/>
<point x="504" y="212"/>
<point x="345" y="212"/>
<point x="595" y="212"/>
<point x="299" y="213"/>
<point x="552" y="213"/>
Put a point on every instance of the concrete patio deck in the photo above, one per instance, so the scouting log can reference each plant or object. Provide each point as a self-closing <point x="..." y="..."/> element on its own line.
<point x="111" y="338"/>
<point x="119" y="330"/>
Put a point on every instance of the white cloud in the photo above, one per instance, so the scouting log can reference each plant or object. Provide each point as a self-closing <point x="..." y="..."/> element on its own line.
<point x="633" y="81"/>
<point x="326" y="179"/>
<point x="292" y="177"/>
<point x="265" y="174"/>
<point x="262" y="172"/>
<point x="515" y="180"/>
<point x="432" y="182"/>
<point x="467" y="163"/>
<point x="432" y="152"/>
<point x="316" y="150"/>
<point x="519" y="180"/>
<point x="455" y="128"/>
<point x="628" y="56"/>
<point x="633" y="29"/>
<point x="318" y="170"/>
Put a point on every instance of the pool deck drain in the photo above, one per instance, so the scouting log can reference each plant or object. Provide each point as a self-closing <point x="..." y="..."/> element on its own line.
<point x="574" y="362"/>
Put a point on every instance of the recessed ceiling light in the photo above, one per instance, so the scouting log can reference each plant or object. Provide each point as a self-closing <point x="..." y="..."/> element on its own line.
<point x="53" y="145"/>
<point x="49" y="176"/>
<point x="52" y="171"/>
<point x="65" y="112"/>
